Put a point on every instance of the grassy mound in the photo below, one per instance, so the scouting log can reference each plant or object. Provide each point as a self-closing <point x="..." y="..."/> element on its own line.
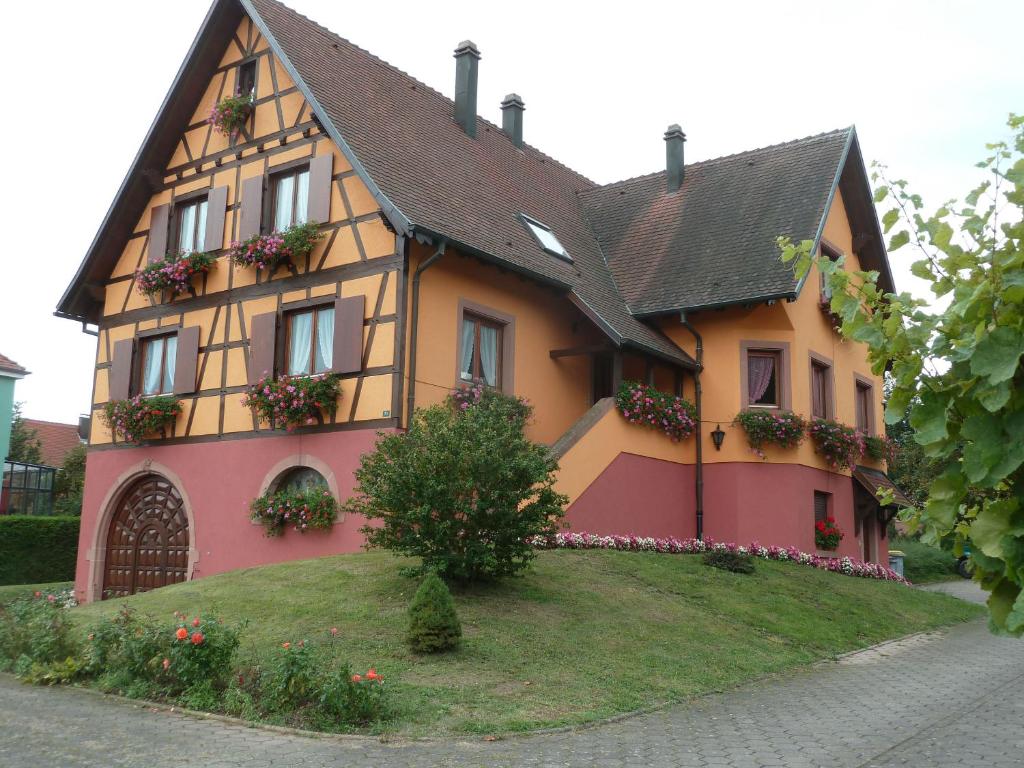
<point x="584" y="635"/>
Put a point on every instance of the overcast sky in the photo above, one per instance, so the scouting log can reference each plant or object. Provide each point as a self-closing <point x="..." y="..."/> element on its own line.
<point x="926" y="83"/>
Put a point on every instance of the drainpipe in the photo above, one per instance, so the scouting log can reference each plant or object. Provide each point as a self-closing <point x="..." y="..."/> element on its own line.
<point x="414" y="327"/>
<point x="696" y="397"/>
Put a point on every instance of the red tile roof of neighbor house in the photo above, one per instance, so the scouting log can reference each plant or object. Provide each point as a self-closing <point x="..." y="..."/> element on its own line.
<point x="637" y="248"/>
<point x="9" y="366"/>
<point x="55" y="439"/>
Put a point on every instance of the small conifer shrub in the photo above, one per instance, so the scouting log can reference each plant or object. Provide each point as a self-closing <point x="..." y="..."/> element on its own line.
<point x="433" y="623"/>
<point x="737" y="562"/>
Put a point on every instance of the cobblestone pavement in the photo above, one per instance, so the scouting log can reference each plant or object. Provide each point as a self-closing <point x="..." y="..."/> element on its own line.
<point x="950" y="698"/>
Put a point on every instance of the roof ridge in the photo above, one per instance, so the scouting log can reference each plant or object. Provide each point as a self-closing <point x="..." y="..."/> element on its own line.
<point x="741" y="153"/>
<point x="430" y="89"/>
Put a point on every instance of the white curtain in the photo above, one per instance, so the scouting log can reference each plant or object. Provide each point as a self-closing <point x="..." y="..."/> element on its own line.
<point x="489" y="355"/>
<point x="171" y="357"/>
<point x="199" y="241"/>
<point x="324" y="339"/>
<point x="299" y="341"/>
<point x="283" y="203"/>
<point x="759" y="375"/>
<point x="302" y="198"/>
<point x="466" y="358"/>
<point x="187" y="228"/>
<point x="151" y="367"/>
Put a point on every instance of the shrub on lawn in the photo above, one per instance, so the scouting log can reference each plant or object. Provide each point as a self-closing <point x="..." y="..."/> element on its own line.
<point x="737" y="562"/>
<point x="463" y="489"/>
<point x="35" y="631"/>
<point x="433" y="623"/>
<point x="37" y="549"/>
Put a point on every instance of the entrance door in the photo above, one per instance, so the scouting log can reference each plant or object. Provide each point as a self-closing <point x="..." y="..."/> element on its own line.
<point x="868" y="533"/>
<point x="601" y="376"/>
<point x="148" y="539"/>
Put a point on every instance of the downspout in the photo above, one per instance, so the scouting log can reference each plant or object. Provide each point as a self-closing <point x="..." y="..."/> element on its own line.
<point x="699" y="471"/>
<point x="414" y="327"/>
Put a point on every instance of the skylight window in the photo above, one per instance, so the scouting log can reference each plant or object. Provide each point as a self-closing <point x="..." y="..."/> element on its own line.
<point x="546" y="238"/>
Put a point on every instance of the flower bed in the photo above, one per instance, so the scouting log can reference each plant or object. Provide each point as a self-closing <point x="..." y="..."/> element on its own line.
<point x="768" y="427"/>
<point x="878" y="448"/>
<point x="174" y="273"/>
<point x="842" y="446"/>
<point x="230" y="114"/>
<point x="314" y="508"/>
<point x="294" y="400"/>
<point x="844" y="565"/>
<point x="827" y="534"/>
<point x="133" y="419"/>
<point x="644" y="405"/>
<point x="268" y="251"/>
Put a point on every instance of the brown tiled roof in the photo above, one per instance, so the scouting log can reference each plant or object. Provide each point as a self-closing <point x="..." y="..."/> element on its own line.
<point x="55" y="439"/>
<point x="9" y="366"/>
<point x="713" y="241"/>
<point x="875" y="480"/>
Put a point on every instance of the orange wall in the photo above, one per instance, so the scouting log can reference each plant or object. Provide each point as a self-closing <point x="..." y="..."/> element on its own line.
<point x="355" y="232"/>
<point x="545" y="320"/>
<point x="805" y="328"/>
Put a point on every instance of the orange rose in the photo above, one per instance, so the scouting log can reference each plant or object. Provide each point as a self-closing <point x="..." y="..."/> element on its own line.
<point x="181" y="634"/>
<point x="195" y="622"/>
<point x="356" y="678"/>
<point x="286" y="646"/>
<point x="197" y="638"/>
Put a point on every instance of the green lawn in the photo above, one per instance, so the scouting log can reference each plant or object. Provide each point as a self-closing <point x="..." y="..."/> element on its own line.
<point x="584" y="635"/>
<point x="924" y="563"/>
<point x="10" y="592"/>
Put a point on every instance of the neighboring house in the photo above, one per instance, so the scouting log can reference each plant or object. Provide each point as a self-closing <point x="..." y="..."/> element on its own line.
<point x="10" y="372"/>
<point x="55" y="439"/>
<point x="455" y="252"/>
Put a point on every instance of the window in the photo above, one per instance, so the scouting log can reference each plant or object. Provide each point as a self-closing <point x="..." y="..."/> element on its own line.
<point x="301" y="479"/>
<point x="289" y="198"/>
<point x="309" y="341"/>
<point x="863" y="405"/>
<point x="764" y="367"/>
<point x="481" y="350"/>
<point x="821" y="504"/>
<point x="546" y="238"/>
<point x="821" y="389"/>
<point x="246" y="83"/>
<point x="190" y="225"/>
<point x="158" y="357"/>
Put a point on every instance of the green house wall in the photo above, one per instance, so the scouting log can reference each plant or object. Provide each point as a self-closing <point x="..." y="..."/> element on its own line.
<point x="6" y="413"/>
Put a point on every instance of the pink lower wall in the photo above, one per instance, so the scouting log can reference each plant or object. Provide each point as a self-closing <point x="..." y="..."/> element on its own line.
<point x="772" y="504"/>
<point x="218" y="480"/>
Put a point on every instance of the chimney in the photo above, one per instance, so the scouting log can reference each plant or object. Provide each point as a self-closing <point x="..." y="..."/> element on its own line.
<point x="512" y="108"/>
<point x="467" y="58"/>
<point x="674" y="139"/>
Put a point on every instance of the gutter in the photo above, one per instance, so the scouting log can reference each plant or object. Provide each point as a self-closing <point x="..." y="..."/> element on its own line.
<point x="414" y="326"/>
<point x="699" y="471"/>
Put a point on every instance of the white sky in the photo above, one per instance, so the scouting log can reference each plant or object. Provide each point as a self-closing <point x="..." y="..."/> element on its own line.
<point x="926" y="83"/>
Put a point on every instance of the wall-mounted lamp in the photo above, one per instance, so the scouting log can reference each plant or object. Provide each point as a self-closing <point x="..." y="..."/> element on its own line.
<point x="717" y="437"/>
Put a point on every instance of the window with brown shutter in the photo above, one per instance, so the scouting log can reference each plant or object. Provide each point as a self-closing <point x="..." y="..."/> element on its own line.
<point x="246" y="79"/>
<point x="309" y="340"/>
<point x="863" y="406"/>
<point x="159" y="221"/>
<point x="821" y="390"/>
<point x="158" y="356"/>
<point x="821" y="505"/>
<point x="289" y="198"/>
<point x="189" y="227"/>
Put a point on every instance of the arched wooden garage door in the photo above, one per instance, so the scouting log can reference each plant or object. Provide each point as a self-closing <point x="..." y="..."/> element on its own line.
<point x="148" y="539"/>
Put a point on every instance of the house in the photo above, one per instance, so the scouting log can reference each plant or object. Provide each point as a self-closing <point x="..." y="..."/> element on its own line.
<point x="453" y="251"/>
<point x="55" y="439"/>
<point x="10" y="372"/>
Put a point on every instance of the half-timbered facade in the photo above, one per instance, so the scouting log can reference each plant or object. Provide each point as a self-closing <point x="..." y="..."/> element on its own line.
<point x="450" y="252"/>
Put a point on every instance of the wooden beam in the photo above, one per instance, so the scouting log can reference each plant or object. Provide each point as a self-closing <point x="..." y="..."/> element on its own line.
<point x="589" y="349"/>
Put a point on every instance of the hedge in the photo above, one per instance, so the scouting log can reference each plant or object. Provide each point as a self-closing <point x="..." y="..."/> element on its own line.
<point x="38" y="549"/>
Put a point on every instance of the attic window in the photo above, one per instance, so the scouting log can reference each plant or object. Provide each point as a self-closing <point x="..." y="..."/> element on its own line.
<point x="546" y="238"/>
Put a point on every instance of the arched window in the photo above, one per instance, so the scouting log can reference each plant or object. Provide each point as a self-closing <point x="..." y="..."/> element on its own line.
<point x="301" y="479"/>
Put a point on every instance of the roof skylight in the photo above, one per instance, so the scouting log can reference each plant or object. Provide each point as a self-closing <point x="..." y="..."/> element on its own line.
<point x="546" y="238"/>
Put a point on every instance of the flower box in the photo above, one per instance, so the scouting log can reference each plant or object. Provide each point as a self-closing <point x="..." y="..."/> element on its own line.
<point x="646" y="406"/>
<point x="174" y="273"/>
<point x="294" y="401"/>
<point x="311" y="509"/>
<point x="827" y="534"/>
<point x="842" y="446"/>
<point x="137" y="417"/>
<point x="784" y="429"/>
<point x="269" y="251"/>
<point x="230" y="114"/>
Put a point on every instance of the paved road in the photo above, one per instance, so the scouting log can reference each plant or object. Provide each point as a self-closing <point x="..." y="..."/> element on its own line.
<point x="954" y="698"/>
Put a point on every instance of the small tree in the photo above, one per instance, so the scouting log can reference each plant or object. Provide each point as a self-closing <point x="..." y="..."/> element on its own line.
<point x="955" y="365"/>
<point x="433" y="623"/>
<point x="69" y="483"/>
<point x="25" y="445"/>
<point x="462" y="488"/>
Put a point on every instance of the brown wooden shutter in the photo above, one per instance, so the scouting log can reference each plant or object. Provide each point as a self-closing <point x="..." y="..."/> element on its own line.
<point x="252" y="208"/>
<point x="186" y="359"/>
<point x="216" y="204"/>
<point x="817" y="392"/>
<point x="820" y="506"/>
<point x="320" y="169"/>
<point x="159" y="224"/>
<point x="261" y="346"/>
<point x="348" y="334"/>
<point x="121" y="369"/>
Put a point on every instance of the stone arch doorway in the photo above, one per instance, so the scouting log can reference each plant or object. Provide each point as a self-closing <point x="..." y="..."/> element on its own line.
<point x="148" y="539"/>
